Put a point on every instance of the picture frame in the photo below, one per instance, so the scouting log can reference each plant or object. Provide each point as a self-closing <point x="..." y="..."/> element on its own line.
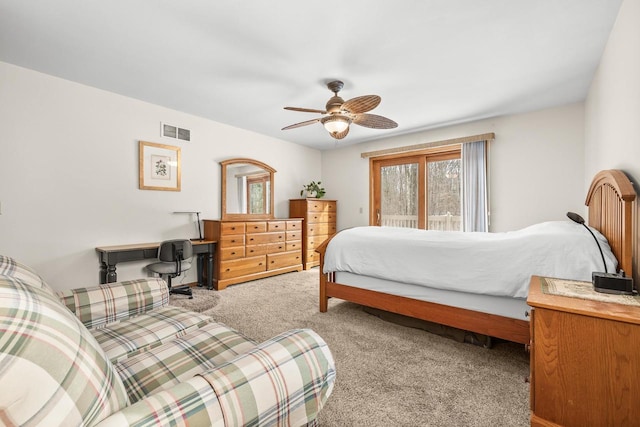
<point x="159" y="166"/>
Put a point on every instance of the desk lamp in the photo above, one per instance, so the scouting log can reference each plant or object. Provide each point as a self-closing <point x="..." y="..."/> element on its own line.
<point x="609" y="283"/>
<point x="197" y="219"/>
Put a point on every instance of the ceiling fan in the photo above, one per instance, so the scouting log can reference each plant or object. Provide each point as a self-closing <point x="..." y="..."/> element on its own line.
<point x="339" y="114"/>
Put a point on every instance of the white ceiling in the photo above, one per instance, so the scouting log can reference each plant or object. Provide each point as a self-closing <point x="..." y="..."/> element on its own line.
<point x="239" y="62"/>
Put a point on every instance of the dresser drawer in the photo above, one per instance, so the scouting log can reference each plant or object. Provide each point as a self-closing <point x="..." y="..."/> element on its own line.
<point x="318" y="217"/>
<point x="276" y="226"/>
<point x="255" y="250"/>
<point x="231" y="253"/>
<point x="273" y="248"/>
<point x="314" y="241"/>
<point x="232" y="228"/>
<point x="294" y="235"/>
<point x="294" y="225"/>
<point x="242" y="267"/>
<point x="264" y="238"/>
<point x="256" y="227"/>
<point x="285" y="259"/>
<point x="318" y="206"/>
<point x="232" y="240"/>
<point x="320" y="229"/>
<point x="268" y="248"/>
<point x="293" y="245"/>
<point x="312" y="256"/>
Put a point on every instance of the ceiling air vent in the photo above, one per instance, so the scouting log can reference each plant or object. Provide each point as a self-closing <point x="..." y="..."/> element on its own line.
<point x="171" y="131"/>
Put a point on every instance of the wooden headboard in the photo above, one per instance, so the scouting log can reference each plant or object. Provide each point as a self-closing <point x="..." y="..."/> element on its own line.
<point x="611" y="199"/>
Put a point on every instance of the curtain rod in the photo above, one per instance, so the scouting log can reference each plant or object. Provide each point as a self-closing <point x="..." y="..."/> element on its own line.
<point x="482" y="137"/>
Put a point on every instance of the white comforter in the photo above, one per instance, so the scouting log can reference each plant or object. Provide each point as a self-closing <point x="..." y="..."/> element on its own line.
<point x="487" y="263"/>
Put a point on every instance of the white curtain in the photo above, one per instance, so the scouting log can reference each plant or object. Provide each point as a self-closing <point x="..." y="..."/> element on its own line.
<point x="474" y="187"/>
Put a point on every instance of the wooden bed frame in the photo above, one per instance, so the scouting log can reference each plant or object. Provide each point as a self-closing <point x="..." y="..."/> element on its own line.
<point x="610" y="199"/>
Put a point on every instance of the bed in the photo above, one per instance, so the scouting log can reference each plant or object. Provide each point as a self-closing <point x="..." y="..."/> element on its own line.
<point x="493" y="312"/>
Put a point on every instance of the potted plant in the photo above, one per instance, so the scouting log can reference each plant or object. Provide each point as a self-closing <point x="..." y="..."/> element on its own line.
<point x="313" y="189"/>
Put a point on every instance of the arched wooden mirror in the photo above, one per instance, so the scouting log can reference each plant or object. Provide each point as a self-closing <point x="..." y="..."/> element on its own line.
<point x="247" y="189"/>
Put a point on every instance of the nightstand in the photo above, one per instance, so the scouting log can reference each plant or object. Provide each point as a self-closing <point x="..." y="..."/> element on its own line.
<point x="585" y="358"/>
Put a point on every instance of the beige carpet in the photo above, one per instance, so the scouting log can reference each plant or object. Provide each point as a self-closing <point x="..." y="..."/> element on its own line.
<point x="387" y="375"/>
<point x="202" y="299"/>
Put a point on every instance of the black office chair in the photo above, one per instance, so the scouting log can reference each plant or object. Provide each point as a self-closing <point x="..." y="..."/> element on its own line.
<point x="174" y="257"/>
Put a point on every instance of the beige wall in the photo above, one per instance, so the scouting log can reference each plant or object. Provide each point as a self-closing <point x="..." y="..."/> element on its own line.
<point x="612" y="108"/>
<point x="612" y="111"/>
<point x="536" y="167"/>
<point x="69" y="174"/>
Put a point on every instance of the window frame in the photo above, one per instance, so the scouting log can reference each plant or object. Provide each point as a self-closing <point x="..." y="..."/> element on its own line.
<point x="257" y="179"/>
<point x="422" y="157"/>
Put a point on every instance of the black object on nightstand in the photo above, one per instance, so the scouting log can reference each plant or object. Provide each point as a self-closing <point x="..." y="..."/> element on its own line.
<point x="609" y="283"/>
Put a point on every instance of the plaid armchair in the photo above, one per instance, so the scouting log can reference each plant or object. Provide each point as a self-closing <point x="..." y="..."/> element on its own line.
<point x="118" y="354"/>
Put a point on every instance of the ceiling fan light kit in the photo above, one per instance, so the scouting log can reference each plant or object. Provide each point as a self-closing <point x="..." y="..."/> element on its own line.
<point x="340" y="114"/>
<point x="335" y="124"/>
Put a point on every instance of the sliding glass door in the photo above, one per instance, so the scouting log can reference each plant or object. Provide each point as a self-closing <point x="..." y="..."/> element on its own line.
<point x="417" y="191"/>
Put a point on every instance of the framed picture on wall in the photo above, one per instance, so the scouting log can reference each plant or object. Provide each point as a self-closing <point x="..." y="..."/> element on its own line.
<point x="159" y="166"/>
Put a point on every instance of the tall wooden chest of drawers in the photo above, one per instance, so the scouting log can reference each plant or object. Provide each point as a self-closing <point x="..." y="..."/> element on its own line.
<point x="253" y="249"/>
<point x="319" y="224"/>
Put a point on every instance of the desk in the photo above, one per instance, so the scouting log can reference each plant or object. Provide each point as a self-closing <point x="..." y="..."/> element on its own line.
<point x="111" y="255"/>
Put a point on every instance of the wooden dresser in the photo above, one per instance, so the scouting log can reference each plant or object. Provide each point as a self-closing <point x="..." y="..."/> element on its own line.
<point x="585" y="361"/>
<point x="319" y="224"/>
<point x="253" y="249"/>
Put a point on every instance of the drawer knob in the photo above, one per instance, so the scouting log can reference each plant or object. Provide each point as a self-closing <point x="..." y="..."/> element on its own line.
<point x="526" y="313"/>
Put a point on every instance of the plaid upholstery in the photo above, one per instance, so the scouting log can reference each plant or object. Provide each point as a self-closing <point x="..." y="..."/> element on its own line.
<point x="284" y="381"/>
<point x="12" y="268"/>
<point x="112" y="302"/>
<point x="166" y="365"/>
<point x="176" y="367"/>
<point x="190" y="403"/>
<point x="52" y="371"/>
<point x="132" y="336"/>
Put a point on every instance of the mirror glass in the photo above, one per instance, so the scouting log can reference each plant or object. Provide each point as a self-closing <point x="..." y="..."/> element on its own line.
<point x="247" y="189"/>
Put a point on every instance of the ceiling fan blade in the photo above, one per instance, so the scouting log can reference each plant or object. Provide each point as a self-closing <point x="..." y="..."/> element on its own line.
<point x="305" y="110"/>
<point x="361" y="104"/>
<point x="341" y="134"/>
<point x="297" y="125"/>
<point x="374" y="121"/>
